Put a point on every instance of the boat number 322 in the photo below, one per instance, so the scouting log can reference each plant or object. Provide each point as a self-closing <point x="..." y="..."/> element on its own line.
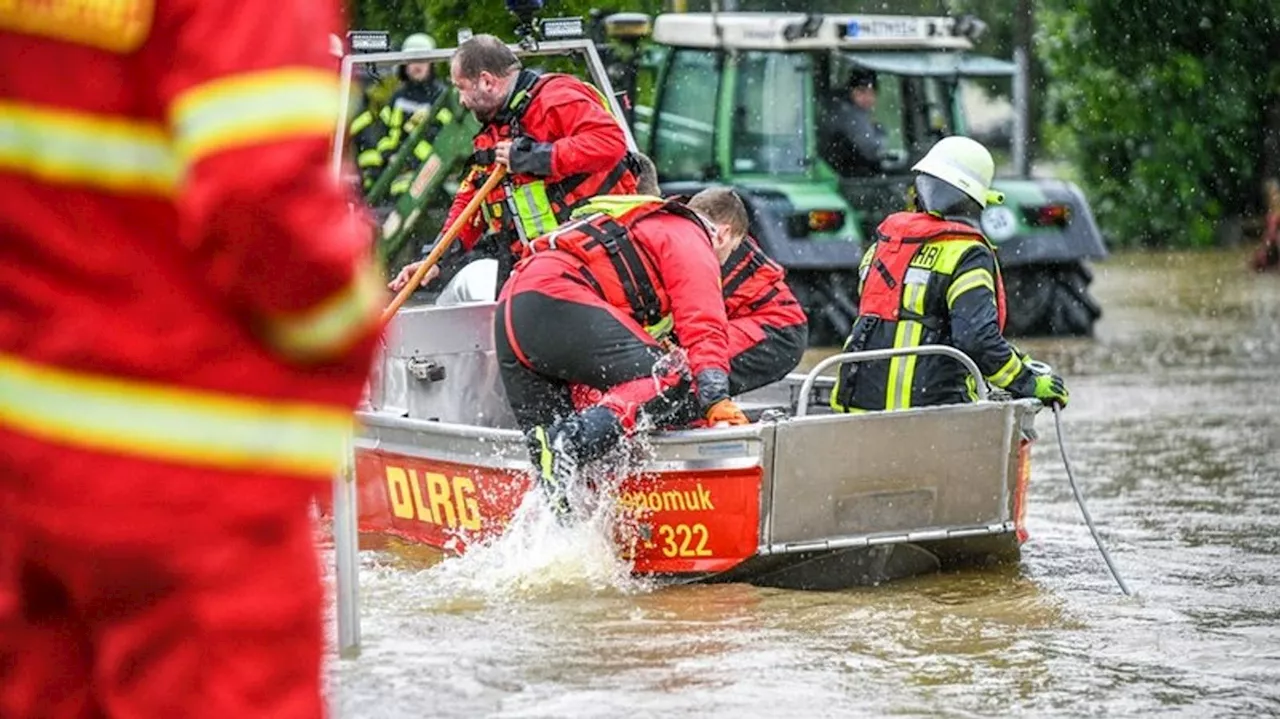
<point x="683" y="540"/>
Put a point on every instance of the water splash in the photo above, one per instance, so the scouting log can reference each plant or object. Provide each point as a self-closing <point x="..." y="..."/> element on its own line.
<point x="538" y="557"/>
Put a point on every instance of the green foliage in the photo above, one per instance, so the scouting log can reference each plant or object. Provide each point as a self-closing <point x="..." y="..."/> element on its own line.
<point x="1160" y="111"/>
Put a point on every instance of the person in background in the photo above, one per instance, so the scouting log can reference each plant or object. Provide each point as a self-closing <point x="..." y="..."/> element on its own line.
<point x="933" y="278"/>
<point x="188" y="313"/>
<point x="555" y="135"/>
<point x="1267" y="256"/>
<point x="415" y="101"/>
<point x="851" y="140"/>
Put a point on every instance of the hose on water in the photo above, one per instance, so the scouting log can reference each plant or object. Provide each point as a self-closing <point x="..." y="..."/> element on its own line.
<point x="1106" y="556"/>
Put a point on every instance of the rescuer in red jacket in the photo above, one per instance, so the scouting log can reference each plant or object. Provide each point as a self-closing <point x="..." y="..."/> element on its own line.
<point x="554" y="133"/>
<point x="187" y="317"/>
<point x="768" y="330"/>
<point x="576" y="312"/>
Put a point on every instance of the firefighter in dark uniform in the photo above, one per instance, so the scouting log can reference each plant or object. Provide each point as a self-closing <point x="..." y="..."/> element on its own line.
<point x="931" y="277"/>
<point x="576" y="312"/>
<point x="417" y="100"/>
<point x="556" y="135"/>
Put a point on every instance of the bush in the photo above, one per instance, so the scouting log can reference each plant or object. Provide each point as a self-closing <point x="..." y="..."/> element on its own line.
<point x="1162" y="110"/>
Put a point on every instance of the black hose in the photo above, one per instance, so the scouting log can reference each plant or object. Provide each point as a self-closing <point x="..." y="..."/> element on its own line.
<point x="1057" y="424"/>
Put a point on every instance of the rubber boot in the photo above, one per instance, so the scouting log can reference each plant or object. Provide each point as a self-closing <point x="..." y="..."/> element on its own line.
<point x="558" y="449"/>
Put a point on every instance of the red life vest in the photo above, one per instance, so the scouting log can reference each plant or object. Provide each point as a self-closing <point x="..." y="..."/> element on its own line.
<point x="616" y="266"/>
<point x="902" y="236"/>
<point x="752" y="282"/>
<point x="561" y="196"/>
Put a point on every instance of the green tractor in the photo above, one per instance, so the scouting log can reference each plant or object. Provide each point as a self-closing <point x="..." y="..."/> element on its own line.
<point x="738" y="99"/>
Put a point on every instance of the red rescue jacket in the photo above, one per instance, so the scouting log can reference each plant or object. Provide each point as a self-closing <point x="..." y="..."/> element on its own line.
<point x="903" y="235"/>
<point x="755" y="286"/>
<point x="181" y="282"/>
<point x="589" y="157"/>
<point x="648" y="263"/>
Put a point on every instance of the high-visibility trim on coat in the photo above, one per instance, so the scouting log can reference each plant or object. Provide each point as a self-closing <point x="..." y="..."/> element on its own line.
<point x="252" y="108"/>
<point x="926" y="281"/>
<point x="82" y="148"/>
<point x="175" y="424"/>
<point x="589" y="158"/>
<point x="173" y="222"/>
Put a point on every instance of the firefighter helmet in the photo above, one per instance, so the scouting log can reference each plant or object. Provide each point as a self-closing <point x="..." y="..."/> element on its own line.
<point x="964" y="164"/>
<point x="418" y="41"/>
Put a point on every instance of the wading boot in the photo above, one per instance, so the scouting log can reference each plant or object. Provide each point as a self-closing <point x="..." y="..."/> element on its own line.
<point x="559" y="448"/>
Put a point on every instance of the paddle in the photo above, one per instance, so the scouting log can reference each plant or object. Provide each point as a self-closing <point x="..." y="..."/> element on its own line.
<point x="445" y="241"/>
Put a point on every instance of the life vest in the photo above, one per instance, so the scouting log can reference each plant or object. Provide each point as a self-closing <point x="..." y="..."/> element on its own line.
<point x="618" y="268"/>
<point x="745" y="278"/>
<point x="904" y="239"/>
<point x="540" y="206"/>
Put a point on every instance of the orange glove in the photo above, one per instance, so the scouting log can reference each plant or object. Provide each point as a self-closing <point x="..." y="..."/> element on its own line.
<point x="726" y="412"/>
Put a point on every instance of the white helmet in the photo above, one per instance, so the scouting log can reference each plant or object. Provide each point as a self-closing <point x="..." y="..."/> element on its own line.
<point x="964" y="164"/>
<point x="418" y="41"/>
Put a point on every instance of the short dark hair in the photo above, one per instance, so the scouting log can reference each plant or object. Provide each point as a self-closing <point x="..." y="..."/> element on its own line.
<point x="722" y="206"/>
<point x="647" y="179"/>
<point x="862" y="77"/>
<point x="485" y="53"/>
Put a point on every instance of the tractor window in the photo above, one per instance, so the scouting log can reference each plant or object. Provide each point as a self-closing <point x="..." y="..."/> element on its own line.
<point x="770" y="113"/>
<point x="683" y="146"/>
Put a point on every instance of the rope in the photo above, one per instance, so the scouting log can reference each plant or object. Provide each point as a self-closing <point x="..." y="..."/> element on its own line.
<point x="1057" y="423"/>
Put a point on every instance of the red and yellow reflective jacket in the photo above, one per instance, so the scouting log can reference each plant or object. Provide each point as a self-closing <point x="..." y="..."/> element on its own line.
<point x="652" y="259"/>
<point x="180" y="276"/>
<point x="588" y="157"/>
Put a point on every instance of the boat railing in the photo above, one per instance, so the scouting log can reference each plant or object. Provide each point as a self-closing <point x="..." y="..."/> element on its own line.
<point x="806" y="387"/>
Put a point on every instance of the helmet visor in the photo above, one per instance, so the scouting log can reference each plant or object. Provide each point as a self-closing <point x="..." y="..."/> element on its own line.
<point x="934" y="195"/>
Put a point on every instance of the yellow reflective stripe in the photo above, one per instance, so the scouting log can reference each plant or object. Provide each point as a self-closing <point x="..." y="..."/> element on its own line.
<point x="445" y="116"/>
<point x="913" y="297"/>
<point x="952" y="251"/>
<point x="970" y="280"/>
<point x="1006" y="373"/>
<point x="401" y="184"/>
<point x="331" y="325"/>
<point x="534" y="209"/>
<point x="902" y="369"/>
<point x="363" y="120"/>
<point x="111" y="153"/>
<point x="662" y="327"/>
<point x="423" y="150"/>
<point x="255" y="107"/>
<point x="369" y="158"/>
<point x="195" y="427"/>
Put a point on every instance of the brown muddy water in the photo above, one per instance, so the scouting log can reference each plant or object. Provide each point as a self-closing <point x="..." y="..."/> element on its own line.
<point x="1174" y="435"/>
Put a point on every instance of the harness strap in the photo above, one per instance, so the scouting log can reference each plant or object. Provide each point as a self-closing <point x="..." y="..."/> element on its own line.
<point x="633" y="275"/>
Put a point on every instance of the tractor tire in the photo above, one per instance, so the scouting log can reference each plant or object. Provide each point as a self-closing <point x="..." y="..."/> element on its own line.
<point x="829" y="300"/>
<point x="1050" y="301"/>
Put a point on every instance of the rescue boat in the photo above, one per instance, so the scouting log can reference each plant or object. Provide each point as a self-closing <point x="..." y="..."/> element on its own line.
<point x="801" y="498"/>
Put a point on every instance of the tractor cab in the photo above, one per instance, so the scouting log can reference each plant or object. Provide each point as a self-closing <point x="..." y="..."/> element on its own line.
<point x="748" y="99"/>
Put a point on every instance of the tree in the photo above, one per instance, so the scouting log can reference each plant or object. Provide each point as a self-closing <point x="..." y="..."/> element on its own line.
<point x="1164" y="113"/>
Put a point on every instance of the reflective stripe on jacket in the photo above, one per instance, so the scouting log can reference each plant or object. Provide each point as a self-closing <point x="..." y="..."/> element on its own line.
<point x="589" y="157"/>
<point x="180" y="277"/>
<point x="926" y="281"/>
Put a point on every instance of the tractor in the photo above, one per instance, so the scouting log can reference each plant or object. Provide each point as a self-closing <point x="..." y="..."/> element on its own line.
<point x="738" y="99"/>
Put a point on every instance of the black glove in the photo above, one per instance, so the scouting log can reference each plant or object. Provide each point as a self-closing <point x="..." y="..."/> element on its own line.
<point x="712" y="386"/>
<point x="530" y="158"/>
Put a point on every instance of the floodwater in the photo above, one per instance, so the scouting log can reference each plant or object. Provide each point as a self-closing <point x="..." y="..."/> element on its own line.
<point x="1174" y="436"/>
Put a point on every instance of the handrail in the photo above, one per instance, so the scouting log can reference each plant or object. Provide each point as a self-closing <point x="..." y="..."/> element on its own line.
<point x="802" y="403"/>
